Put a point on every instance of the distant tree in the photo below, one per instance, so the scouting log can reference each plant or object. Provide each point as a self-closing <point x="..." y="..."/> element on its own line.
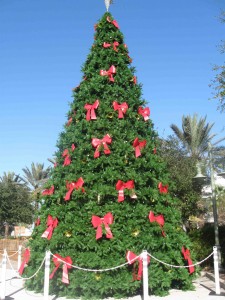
<point x="12" y="177"/>
<point x="36" y="177"/>
<point x="218" y="83"/>
<point x="194" y="135"/>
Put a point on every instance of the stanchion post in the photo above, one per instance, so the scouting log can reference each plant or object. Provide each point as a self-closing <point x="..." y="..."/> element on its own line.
<point x="145" y="274"/>
<point x="3" y="276"/>
<point x="19" y="257"/>
<point x="47" y="273"/>
<point x="216" y="270"/>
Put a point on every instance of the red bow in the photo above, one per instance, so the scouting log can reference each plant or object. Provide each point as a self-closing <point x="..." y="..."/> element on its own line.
<point x="163" y="189"/>
<point x="91" y="110"/>
<point x="51" y="223"/>
<point x="26" y="258"/>
<point x="131" y="258"/>
<point x="69" y="121"/>
<point x="115" y="45"/>
<point x="114" y="22"/>
<point x="74" y="185"/>
<point x="106" y="221"/>
<point x="37" y="222"/>
<point x="158" y="219"/>
<point x="109" y="73"/>
<point x="144" y="112"/>
<point x="66" y="155"/>
<point x="138" y="145"/>
<point x="96" y="143"/>
<point x="187" y="256"/>
<point x="67" y="262"/>
<point x="48" y="191"/>
<point x="120" y="186"/>
<point x="122" y="108"/>
<point x="134" y="79"/>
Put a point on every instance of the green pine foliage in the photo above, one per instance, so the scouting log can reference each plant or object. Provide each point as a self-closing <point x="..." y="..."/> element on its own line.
<point x="75" y="236"/>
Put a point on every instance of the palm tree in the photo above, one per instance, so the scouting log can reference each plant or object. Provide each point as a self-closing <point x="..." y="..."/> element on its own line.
<point x="11" y="177"/>
<point x="36" y="177"/>
<point x="194" y="135"/>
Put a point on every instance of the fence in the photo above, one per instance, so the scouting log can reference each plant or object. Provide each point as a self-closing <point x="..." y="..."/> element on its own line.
<point x="143" y="257"/>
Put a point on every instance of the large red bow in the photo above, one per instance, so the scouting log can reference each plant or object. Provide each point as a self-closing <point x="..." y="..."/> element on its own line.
<point x="122" y="108"/>
<point x="67" y="262"/>
<point x="120" y="186"/>
<point x="106" y="221"/>
<point x="131" y="258"/>
<point x="26" y="258"/>
<point x="48" y="191"/>
<point x="51" y="223"/>
<point x="144" y="112"/>
<point x="115" y="45"/>
<point x="91" y="110"/>
<point x="158" y="219"/>
<point x="114" y="22"/>
<point x="138" y="145"/>
<point x="73" y="185"/>
<point x="96" y="143"/>
<point x="187" y="256"/>
<point x="109" y="73"/>
<point x="163" y="189"/>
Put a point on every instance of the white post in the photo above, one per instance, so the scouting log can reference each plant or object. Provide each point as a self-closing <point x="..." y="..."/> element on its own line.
<point x="216" y="270"/>
<point x="47" y="273"/>
<point x="3" y="277"/>
<point x="145" y="274"/>
<point x="19" y="257"/>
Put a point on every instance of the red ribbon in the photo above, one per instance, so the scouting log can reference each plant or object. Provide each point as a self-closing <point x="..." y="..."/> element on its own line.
<point x="163" y="189"/>
<point x="37" y="222"/>
<point x="122" y="108"/>
<point x="138" y="145"/>
<point x="120" y="186"/>
<point x="158" y="219"/>
<point x="106" y="221"/>
<point x="74" y="185"/>
<point x="69" y="121"/>
<point x="66" y="155"/>
<point x="115" y="45"/>
<point x="134" y="80"/>
<point x="48" y="191"/>
<point x="91" y="110"/>
<point x="144" y="112"/>
<point x="67" y="262"/>
<point x="26" y="258"/>
<point x="187" y="256"/>
<point x="114" y="22"/>
<point x="96" y="143"/>
<point x="131" y="258"/>
<point x="51" y="223"/>
<point x="109" y="73"/>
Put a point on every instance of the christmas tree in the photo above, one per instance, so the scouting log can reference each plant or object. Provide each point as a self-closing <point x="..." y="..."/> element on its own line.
<point x="108" y="197"/>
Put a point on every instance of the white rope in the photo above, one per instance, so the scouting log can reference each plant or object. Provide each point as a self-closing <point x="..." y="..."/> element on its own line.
<point x="25" y="278"/>
<point x="13" y="254"/>
<point x="174" y="266"/>
<point x="95" y="270"/>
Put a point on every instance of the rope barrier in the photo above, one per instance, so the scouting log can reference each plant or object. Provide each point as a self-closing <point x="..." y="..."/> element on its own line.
<point x="174" y="266"/>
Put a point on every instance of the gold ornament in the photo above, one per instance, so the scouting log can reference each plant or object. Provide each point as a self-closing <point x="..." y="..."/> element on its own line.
<point x="98" y="277"/>
<point x="135" y="233"/>
<point x="68" y="233"/>
<point x="110" y="115"/>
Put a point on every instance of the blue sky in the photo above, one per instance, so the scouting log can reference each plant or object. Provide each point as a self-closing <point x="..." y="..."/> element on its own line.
<point x="43" y="44"/>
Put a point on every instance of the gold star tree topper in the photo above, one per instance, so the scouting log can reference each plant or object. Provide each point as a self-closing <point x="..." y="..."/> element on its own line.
<point x="107" y="4"/>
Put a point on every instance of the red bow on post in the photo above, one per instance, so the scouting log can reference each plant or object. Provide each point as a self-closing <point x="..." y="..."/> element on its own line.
<point x="158" y="219"/>
<point x="145" y="113"/>
<point x="51" y="223"/>
<point x="131" y="258"/>
<point x="120" y="186"/>
<point x="122" y="108"/>
<point x="106" y="221"/>
<point x="48" y="191"/>
<point x="138" y="145"/>
<point x="91" y="110"/>
<point x="114" y="22"/>
<point x="187" y="256"/>
<point x="26" y="258"/>
<point x="115" y="45"/>
<point x="96" y="143"/>
<point x="109" y="73"/>
<point x="67" y="262"/>
<point x="74" y="185"/>
<point x="163" y="189"/>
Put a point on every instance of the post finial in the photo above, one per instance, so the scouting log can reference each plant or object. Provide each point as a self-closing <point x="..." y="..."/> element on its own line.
<point x="107" y="4"/>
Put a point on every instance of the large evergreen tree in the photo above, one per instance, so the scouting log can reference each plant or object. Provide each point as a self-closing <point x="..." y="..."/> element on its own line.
<point x="108" y="166"/>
